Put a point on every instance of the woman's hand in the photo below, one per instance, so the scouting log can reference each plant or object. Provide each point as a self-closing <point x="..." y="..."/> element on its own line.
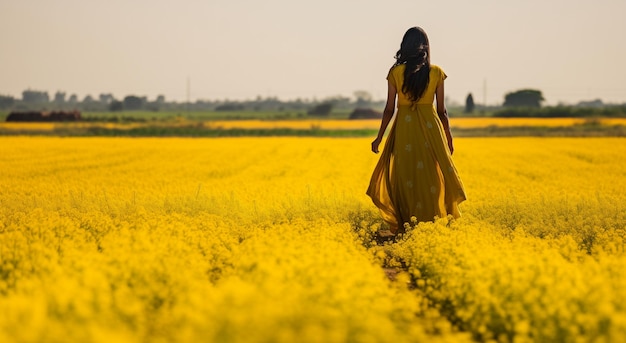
<point x="375" y="145"/>
<point x="450" y="145"/>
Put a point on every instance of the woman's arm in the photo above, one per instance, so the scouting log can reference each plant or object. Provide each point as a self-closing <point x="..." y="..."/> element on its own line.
<point x="390" y="107"/>
<point x="443" y="114"/>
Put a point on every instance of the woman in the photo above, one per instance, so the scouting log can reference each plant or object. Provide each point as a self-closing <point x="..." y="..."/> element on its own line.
<point x="415" y="176"/>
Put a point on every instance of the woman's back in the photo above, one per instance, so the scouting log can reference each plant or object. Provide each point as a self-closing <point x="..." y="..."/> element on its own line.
<point x="396" y="76"/>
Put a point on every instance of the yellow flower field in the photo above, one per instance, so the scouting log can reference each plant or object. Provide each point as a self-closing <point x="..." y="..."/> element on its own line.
<point x="271" y="240"/>
<point x="306" y="124"/>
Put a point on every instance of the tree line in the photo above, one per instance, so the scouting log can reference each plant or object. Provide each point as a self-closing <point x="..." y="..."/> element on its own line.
<point x="106" y="102"/>
<point x="528" y="103"/>
<point x="520" y="103"/>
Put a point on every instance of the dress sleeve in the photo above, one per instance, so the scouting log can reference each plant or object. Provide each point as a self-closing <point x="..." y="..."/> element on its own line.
<point x="391" y="78"/>
<point x="442" y="74"/>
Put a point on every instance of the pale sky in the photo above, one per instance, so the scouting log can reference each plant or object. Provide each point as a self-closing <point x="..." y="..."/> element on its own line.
<point x="571" y="50"/>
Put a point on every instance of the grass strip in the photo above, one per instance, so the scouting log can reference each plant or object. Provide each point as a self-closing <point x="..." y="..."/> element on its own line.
<point x="582" y="130"/>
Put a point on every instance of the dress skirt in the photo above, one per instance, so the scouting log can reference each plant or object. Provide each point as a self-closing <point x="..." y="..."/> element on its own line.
<point x="415" y="175"/>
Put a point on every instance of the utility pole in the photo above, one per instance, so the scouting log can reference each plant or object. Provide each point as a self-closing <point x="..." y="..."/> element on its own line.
<point x="485" y="93"/>
<point x="188" y="94"/>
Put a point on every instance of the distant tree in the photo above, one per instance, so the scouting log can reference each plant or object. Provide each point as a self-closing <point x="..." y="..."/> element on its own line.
<point x="73" y="99"/>
<point x="160" y="99"/>
<point x="88" y="99"/>
<point x="89" y="103"/>
<point x="592" y="103"/>
<point x="6" y="101"/>
<point x="133" y="103"/>
<point x="59" y="97"/>
<point x="338" y="101"/>
<point x="363" y="98"/>
<point x="469" y="103"/>
<point x="322" y="109"/>
<point x="116" y="106"/>
<point x="106" y="98"/>
<point x="524" y="98"/>
<point x="35" y="97"/>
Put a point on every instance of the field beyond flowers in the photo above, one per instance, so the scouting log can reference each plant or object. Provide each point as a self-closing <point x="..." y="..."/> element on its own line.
<point x="273" y="240"/>
<point x="183" y="127"/>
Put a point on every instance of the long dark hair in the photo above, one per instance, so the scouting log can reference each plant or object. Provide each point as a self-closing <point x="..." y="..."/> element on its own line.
<point x="415" y="54"/>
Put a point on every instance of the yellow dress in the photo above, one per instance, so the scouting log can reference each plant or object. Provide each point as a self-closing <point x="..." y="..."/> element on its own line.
<point x="415" y="175"/>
